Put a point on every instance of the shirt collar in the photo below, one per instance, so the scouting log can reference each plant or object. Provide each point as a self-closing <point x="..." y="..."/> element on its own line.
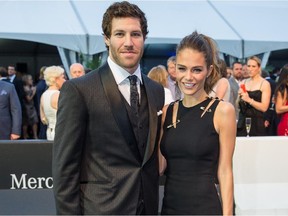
<point x="171" y="80"/>
<point x="12" y="77"/>
<point x="120" y="74"/>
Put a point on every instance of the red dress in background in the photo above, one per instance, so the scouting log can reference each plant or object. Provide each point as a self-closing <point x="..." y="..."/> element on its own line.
<point x="282" y="129"/>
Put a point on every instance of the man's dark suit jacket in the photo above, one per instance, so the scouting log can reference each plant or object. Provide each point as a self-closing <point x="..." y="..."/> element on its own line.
<point x="10" y="111"/>
<point x="18" y="83"/>
<point x="97" y="168"/>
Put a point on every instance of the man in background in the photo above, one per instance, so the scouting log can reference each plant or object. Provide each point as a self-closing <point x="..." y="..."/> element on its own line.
<point x="40" y="89"/>
<point x="234" y="82"/>
<point x="17" y="81"/>
<point x="172" y="83"/>
<point x="77" y="70"/>
<point x="10" y="109"/>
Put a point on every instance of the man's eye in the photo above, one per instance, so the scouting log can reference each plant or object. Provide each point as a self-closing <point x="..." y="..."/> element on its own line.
<point x="119" y="34"/>
<point x="136" y="34"/>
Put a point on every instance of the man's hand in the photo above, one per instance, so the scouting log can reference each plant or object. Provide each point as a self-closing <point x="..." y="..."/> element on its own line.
<point x="14" y="136"/>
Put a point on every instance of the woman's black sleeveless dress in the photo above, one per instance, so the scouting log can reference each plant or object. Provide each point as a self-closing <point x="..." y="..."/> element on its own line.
<point x="192" y="153"/>
<point x="257" y="117"/>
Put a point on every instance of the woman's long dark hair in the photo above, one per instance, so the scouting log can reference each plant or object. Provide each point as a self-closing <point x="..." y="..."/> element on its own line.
<point x="282" y="83"/>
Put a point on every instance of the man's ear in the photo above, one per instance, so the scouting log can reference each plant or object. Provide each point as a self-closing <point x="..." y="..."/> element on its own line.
<point x="107" y="40"/>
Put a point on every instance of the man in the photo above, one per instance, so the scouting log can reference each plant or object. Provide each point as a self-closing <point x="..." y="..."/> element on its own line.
<point x="4" y="74"/>
<point x="10" y="109"/>
<point x="105" y="149"/>
<point x="234" y="82"/>
<point x="245" y="72"/>
<point x="18" y="83"/>
<point x="40" y="89"/>
<point x="77" y="70"/>
<point x="172" y="83"/>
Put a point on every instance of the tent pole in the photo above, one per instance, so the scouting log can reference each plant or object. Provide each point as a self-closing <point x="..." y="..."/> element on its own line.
<point x="242" y="51"/>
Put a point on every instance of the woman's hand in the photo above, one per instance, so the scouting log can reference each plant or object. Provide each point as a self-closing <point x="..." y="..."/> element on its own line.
<point x="244" y="96"/>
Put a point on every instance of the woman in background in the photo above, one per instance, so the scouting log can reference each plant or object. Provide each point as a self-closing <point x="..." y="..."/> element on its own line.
<point x="54" y="77"/>
<point x="30" y="117"/>
<point x="281" y="101"/>
<point x="160" y="75"/>
<point x="221" y="88"/>
<point x="254" y="100"/>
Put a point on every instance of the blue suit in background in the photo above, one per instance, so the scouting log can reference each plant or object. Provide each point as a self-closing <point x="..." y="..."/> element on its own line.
<point x="10" y="111"/>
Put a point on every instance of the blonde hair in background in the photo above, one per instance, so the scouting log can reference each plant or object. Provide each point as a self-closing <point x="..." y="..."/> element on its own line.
<point x="159" y="74"/>
<point x="42" y="69"/>
<point x="256" y="59"/>
<point x="51" y="73"/>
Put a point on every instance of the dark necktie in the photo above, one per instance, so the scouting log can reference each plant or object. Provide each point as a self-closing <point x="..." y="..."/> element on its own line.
<point x="134" y="96"/>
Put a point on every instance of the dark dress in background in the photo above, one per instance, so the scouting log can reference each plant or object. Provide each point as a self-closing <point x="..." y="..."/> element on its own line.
<point x="257" y="117"/>
<point x="40" y="89"/>
<point x="192" y="153"/>
<point x="30" y="116"/>
<point x="282" y="129"/>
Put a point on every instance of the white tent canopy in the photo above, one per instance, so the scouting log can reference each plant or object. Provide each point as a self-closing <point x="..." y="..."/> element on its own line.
<point x="260" y="24"/>
<point x="241" y="28"/>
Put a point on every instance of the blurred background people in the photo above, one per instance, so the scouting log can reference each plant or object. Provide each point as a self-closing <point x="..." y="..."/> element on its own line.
<point x="281" y="101"/>
<point x="254" y="101"/>
<point x="229" y="72"/>
<point x="4" y="74"/>
<point x="10" y="112"/>
<point x="172" y="84"/>
<point x="245" y="72"/>
<point x="30" y="117"/>
<point x="160" y="75"/>
<point x="221" y="88"/>
<point x="77" y="70"/>
<point x="270" y="116"/>
<point x="17" y="81"/>
<point x="54" y="77"/>
<point x="234" y="82"/>
<point x="40" y="89"/>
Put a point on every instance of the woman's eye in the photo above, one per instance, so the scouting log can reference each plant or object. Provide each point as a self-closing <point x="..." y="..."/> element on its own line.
<point x="197" y="70"/>
<point x="181" y="69"/>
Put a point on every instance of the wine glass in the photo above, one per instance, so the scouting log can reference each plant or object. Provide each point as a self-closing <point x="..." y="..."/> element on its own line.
<point x="248" y="125"/>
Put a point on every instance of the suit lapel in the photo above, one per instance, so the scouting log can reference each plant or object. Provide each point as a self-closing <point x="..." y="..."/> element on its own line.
<point x="118" y="108"/>
<point x="153" y="121"/>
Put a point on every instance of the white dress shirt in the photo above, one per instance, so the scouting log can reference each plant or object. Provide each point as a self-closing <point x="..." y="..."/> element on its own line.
<point x="121" y="78"/>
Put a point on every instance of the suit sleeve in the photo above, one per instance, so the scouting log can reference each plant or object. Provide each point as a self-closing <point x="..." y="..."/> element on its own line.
<point x="16" y="112"/>
<point x="67" y="150"/>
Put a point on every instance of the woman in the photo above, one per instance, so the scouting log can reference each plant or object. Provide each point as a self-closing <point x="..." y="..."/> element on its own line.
<point x="254" y="100"/>
<point x="198" y="137"/>
<point x="281" y="102"/>
<point x="221" y="88"/>
<point x="160" y="75"/>
<point x="54" y="77"/>
<point x="30" y="117"/>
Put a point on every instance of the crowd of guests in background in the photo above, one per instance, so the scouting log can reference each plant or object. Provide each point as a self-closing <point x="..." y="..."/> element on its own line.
<point x="28" y="111"/>
<point x="264" y="98"/>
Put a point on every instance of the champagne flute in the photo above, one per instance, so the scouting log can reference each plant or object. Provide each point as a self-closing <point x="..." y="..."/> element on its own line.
<point x="248" y="125"/>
